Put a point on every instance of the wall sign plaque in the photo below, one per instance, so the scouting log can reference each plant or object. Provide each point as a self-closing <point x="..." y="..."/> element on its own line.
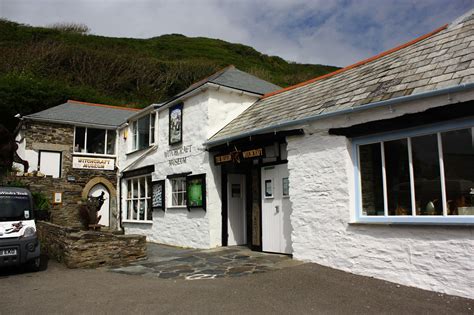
<point x="93" y="163"/>
<point x="176" y="124"/>
<point x="158" y="195"/>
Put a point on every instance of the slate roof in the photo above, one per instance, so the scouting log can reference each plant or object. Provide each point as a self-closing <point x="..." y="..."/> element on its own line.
<point x="232" y="77"/>
<point x="441" y="59"/>
<point x="75" y="112"/>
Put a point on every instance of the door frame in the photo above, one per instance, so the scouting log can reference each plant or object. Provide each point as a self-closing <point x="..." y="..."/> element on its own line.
<point x="261" y="201"/>
<point x="244" y="195"/>
<point x="248" y="206"/>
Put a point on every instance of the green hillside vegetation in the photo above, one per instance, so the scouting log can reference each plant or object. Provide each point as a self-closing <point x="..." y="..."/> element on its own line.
<point x="43" y="67"/>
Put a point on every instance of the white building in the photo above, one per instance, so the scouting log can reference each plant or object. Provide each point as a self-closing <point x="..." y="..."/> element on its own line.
<point x="168" y="159"/>
<point x="382" y="179"/>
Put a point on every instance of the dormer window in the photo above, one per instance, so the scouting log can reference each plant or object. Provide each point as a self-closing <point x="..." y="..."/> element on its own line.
<point x="94" y="141"/>
<point x="143" y="132"/>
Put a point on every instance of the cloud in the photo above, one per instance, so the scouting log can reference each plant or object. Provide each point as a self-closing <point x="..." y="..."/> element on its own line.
<point x="337" y="32"/>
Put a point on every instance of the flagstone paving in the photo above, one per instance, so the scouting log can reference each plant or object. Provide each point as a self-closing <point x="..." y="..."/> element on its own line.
<point x="168" y="262"/>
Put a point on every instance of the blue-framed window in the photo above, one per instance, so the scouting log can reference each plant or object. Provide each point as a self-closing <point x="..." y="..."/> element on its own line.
<point x="423" y="175"/>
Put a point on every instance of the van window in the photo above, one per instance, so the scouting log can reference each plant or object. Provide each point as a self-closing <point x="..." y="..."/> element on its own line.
<point x="14" y="207"/>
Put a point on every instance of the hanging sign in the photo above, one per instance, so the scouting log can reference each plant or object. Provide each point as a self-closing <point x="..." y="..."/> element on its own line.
<point x="236" y="155"/>
<point x="93" y="163"/>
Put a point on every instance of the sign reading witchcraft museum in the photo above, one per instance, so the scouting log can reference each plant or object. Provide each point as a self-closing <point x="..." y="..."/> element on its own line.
<point x="93" y="163"/>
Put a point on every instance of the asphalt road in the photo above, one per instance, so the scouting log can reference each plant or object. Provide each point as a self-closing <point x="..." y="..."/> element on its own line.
<point x="303" y="289"/>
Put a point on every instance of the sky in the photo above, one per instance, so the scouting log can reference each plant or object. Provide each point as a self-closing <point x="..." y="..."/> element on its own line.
<point x="331" y="32"/>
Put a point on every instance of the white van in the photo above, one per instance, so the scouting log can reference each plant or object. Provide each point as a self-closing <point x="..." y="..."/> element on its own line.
<point x="18" y="240"/>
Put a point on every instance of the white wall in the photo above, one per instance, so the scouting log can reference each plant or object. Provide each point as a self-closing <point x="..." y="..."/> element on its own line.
<point x="203" y="114"/>
<point x="28" y="155"/>
<point x="322" y="195"/>
<point x="224" y="107"/>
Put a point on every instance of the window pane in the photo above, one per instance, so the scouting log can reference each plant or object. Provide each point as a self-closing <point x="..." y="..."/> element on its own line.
<point x="143" y="132"/>
<point x="110" y="141"/>
<point x="458" y="155"/>
<point x="149" y="210"/>
<point x="135" y="209"/>
<point x="80" y="139"/>
<point x="129" y="210"/>
<point x="398" y="177"/>
<point x="135" y="188"/>
<point x="129" y="189"/>
<point x="95" y="140"/>
<point x="371" y="179"/>
<point x="427" y="177"/>
<point x="134" y="136"/>
<point x="142" y="209"/>
<point x="152" y="127"/>
<point x="142" y="187"/>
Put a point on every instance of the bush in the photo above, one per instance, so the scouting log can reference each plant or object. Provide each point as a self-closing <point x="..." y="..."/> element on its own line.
<point x="77" y="28"/>
<point x="41" y="201"/>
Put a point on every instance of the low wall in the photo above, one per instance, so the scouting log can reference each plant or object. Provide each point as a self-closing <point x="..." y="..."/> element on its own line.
<point x="89" y="249"/>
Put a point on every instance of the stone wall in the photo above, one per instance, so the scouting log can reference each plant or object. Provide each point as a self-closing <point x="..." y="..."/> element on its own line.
<point x="89" y="249"/>
<point x="59" y="137"/>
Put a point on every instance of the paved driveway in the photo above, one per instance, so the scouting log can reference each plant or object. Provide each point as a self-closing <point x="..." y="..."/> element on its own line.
<point x="302" y="289"/>
<point x="168" y="262"/>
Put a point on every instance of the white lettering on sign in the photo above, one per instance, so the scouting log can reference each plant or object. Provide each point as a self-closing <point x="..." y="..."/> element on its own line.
<point x="92" y="163"/>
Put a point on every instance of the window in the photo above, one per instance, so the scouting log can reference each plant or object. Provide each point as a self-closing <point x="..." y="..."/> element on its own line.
<point x="178" y="192"/>
<point x="94" y="141"/>
<point x="425" y="176"/>
<point x="143" y="132"/>
<point x="139" y="206"/>
<point x="49" y="163"/>
<point x="268" y="188"/>
<point x="285" y="187"/>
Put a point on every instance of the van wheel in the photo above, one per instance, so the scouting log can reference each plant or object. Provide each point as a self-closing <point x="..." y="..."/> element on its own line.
<point x="34" y="264"/>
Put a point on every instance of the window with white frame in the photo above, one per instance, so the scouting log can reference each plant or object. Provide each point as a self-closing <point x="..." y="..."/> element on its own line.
<point x="143" y="132"/>
<point x="94" y="141"/>
<point x="139" y="199"/>
<point x="426" y="176"/>
<point x="178" y="192"/>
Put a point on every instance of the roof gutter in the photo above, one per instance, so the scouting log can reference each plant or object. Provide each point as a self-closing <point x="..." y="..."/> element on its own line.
<point x="394" y="101"/>
<point x="70" y="122"/>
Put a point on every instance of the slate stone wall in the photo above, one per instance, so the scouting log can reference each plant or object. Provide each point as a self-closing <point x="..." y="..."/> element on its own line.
<point x="89" y="249"/>
<point x="60" y="137"/>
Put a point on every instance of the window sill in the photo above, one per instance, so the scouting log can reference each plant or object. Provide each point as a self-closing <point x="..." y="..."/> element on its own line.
<point x="177" y="208"/>
<point x="93" y="154"/>
<point x="138" y="221"/>
<point x="467" y="223"/>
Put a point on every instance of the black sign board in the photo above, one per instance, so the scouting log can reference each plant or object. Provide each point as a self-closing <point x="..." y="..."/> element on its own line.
<point x="158" y="195"/>
<point x="236" y="156"/>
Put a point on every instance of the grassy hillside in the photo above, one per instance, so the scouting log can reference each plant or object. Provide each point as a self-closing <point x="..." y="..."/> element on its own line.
<point x="42" y="67"/>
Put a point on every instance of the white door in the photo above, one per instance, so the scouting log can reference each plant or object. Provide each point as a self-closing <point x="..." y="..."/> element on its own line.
<point x="236" y="227"/>
<point x="50" y="163"/>
<point x="104" y="211"/>
<point x="276" y="209"/>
